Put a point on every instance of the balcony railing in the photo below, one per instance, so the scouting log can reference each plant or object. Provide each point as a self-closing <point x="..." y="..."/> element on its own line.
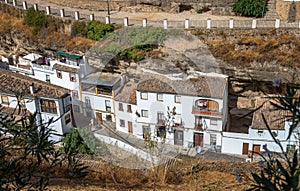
<point x="205" y="111"/>
<point x="44" y="67"/>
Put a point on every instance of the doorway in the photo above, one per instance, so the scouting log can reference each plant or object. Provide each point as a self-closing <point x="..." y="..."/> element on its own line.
<point x="198" y="139"/>
<point x="99" y="117"/>
<point x="178" y="137"/>
<point x="245" y="149"/>
<point x="130" y="129"/>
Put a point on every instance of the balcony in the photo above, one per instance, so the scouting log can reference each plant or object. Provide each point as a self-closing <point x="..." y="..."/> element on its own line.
<point x="206" y="112"/>
<point x="198" y="126"/>
<point x="21" y="68"/>
<point x="43" y="67"/>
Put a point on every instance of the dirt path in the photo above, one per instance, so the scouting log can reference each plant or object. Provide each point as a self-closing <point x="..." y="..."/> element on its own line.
<point x="88" y="9"/>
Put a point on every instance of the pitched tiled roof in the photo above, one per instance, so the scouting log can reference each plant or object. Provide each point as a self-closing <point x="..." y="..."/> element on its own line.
<point x="65" y="68"/>
<point x="275" y="119"/>
<point x="206" y="86"/>
<point x="12" y="83"/>
<point x="128" y="93"/>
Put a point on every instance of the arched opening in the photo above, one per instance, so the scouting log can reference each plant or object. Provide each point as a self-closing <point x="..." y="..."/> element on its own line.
<point x="205" y="104"/>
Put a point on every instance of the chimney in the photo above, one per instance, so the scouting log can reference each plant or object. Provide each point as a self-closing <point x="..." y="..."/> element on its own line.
<point x="31" y="88"/>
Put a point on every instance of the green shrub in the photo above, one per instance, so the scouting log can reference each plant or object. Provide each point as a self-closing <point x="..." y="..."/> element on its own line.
<point x="250" y="8"/>
<point x="37" y="19"/>
<point x="97" y="30"/>
<point x="79" y="28"/>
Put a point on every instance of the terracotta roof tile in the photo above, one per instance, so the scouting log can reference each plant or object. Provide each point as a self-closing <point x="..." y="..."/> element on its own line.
<point x="128" y="93"/>
<point x="275" y="119"/>
<point x="12" y="83"/>
<point x="206" y="86"/>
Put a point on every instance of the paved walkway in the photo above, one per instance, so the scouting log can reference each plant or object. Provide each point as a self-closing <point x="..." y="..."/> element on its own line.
<point x="156" y="19"/>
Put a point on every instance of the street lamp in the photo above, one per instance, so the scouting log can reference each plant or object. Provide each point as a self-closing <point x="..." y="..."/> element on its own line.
<point x="108" y="13"/>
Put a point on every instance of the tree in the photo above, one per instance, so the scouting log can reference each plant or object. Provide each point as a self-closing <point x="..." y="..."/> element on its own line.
<point x="250" y="8"/>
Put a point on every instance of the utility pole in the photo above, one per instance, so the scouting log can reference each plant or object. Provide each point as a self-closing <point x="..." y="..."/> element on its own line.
<point x="107" y="1"/>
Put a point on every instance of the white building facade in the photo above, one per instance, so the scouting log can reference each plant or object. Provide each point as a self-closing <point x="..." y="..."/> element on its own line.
<point x="48" y="101"/>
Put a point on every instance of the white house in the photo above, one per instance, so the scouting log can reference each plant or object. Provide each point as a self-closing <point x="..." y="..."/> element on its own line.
<point x="98" y="91"/>
<point x="200" y="102"/>
<point x="126" y="108"/>
<point x="49" y="101"/>
<point x="65" y="70"/>
<point x="257" y="135"/>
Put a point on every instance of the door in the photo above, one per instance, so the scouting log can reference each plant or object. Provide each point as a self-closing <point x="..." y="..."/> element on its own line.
<point x="198" y="139"/>
<point x="99" y="117"/>
<point x="178" y="137"/>
<point x="256" y="150"/>
<point x="130" y="129"/>
<point x="245" y="148"/>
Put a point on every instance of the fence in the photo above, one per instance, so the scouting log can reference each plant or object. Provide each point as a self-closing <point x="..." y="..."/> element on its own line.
<point x="184" y="24"/>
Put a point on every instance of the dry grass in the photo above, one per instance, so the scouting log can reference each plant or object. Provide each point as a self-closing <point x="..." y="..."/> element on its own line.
<point x="212" y="175"/>
<point x="241" y="48"/>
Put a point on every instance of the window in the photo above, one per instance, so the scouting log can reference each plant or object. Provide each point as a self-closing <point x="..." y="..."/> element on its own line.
<point x="75" y="94"/>
<point x="48" y="106"/>
<point x="76" y="108"/>
<point x="67" y="103"/>
<point x="5" y="100"/>
<point x="144" y="113"/>
<point x="120" y="107"/>
<point x="161" y="132"/>
<point x="160" y="117"/>
<point x="67" y="119"/>
<point x="59" y="74"/>
<point x="213" y="139"/>
<point x="87" y="102"/>
<point x="129" y="109"/>
<point x="89" y="113"/>
<point x="72" y="77"/>
<point x="107" y="105"/>
<point x="146" y="131"/>
<point x="48" y="78"/>
<point x="214" y="122"/>
<point x="160" y="97"/>
<point x="122" y="123"/>
<point x="144" y="95"/>
<point x="177" y="99"/>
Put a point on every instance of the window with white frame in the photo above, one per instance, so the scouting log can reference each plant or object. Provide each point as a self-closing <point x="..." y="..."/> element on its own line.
<point x="59" y="74"/>
<point x="48" y="78"/>
<point x="145" y="113"/>
<point x="144" y="95"/>
<point x="129" y="109"/>
<point x="177" y="99"/>
<point x="72" y="77"/>
<point x="87" y="102"/>
<point x="122" y="123"/>
<point x="107" y="105"/>
<point x="213" y="122"/>
<point x="213" y="139"/>
<point x="48" y="106"/>
<point x="160" y="97"/>
<point x="121" y="107"/>
<point x="67" y="118"/>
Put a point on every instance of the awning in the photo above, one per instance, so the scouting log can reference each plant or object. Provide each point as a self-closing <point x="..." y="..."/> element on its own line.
<point x="72" y="56"/>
